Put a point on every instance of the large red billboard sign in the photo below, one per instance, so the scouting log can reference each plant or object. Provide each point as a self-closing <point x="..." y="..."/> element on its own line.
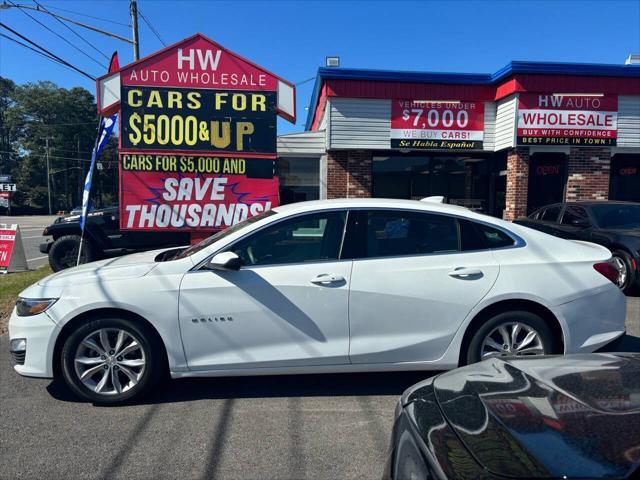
<point x="204" y="192"/>
<point x="424" y="124"/>
<point x="545" y="119"/>
<point x="197" y="139"/>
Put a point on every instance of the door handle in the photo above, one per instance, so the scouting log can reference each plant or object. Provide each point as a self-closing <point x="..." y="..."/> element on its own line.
<point x="462" y="272"/>
<point x="327" y="278"/>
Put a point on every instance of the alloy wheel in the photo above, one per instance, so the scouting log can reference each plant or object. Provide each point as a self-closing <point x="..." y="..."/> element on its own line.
<point x="110" y="361"/>
<point x="512" y="339"/>
<point x="621" y="266"/>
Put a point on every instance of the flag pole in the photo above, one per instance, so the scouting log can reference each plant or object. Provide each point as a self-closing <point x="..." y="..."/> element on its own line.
<point x="83" y="214"/>
<point x="105" y="127"/>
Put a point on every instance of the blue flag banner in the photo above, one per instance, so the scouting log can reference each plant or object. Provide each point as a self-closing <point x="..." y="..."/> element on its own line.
<point x="106" y="128"/>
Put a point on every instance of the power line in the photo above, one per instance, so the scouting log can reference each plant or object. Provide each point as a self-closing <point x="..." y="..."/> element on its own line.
<point x="73" y="31"/>
<point x="38" y="52"/>
<point x="42" y="156"/>
<point x="56" y="34"/>
<point x="82" y="72"/>
<point x="152" y="28"/>
<point x="304" y="81"/>
<point x="90" y="16"/>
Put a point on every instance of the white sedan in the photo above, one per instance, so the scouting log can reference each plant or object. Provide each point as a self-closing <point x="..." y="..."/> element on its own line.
<point x="325" y="286"/>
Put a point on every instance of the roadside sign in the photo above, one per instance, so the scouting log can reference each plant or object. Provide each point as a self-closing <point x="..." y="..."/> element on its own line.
<point x="5" y="178"/>
<point x="197" y="137"/>
<point x="7" y="187"/>
<point x="12" y="258"/>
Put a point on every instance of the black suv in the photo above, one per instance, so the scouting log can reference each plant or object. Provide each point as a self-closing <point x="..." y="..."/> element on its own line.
<point x="612" y="224"/>
<point x="102" y="238"/>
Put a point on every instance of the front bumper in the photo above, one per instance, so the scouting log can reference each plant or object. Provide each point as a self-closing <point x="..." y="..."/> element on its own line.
<point x="38" y="331"/>
<point x="45" y="247"/>
<point x="594" y="320"/>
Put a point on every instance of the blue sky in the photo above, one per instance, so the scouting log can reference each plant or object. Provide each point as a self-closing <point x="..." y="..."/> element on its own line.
<point x="292" y="38"/>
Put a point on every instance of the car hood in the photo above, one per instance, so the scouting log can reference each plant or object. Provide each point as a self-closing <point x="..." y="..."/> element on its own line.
<point x="129" y="266"/>
<point x="576" y="416"/>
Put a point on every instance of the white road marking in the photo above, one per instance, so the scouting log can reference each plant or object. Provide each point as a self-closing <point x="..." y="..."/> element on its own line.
<point x="35" y="236"/>
<point x="34" y="259"/>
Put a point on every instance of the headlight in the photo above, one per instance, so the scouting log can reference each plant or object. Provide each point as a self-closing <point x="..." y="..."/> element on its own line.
<point x="33" y="306"/>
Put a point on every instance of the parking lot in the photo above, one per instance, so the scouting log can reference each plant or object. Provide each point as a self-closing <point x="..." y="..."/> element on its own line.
<point x="293" y="427"/>
<point x="31" y="230"/>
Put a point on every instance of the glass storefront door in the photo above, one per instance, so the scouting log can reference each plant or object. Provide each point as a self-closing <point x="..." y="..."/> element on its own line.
<point x="468" y="180"/>
<point x="547" y="179"/>
<point x="625" y="178"/>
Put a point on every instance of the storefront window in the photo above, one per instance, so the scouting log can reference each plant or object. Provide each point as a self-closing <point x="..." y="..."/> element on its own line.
<point x="299" y="179"/>
<point x="625" y="178"/>
<point x="467" y="180"/>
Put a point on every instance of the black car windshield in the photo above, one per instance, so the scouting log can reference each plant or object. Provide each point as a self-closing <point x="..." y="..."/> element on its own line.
<point x="617" y="215"/>
<point x="221" y="234"/>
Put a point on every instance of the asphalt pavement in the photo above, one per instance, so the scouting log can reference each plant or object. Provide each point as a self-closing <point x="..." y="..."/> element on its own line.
<point x="31" y="228"/>
<point x="273" y="427"/>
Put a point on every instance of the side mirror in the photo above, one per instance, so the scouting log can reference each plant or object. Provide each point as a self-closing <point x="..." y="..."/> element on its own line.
<point x="225" y="261"/>
<point x="580" y="222"/>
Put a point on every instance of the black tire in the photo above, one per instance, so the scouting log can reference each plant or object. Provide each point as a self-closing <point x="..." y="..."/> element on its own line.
<point x="64" y="252"/>
<point x="626" y="262"/>
<point x="549" y="343"/>
<point x="154" y="361"/>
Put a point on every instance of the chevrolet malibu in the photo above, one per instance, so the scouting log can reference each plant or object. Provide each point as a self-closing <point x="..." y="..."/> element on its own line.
<point x="325" y="286"/>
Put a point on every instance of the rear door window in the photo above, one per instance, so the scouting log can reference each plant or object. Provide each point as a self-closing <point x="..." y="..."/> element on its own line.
<point x="391" y="233"/>
<point x="550" y="214"/>
<point x="574" y="213"/>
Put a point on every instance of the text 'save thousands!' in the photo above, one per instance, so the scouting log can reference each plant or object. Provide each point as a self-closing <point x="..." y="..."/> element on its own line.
<point x="567" y="120"/>
<point x="199" y="192"/>
<point x="440" y="125"/>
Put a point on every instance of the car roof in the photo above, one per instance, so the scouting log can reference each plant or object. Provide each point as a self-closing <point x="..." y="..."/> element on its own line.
<point x="371" y="203"/>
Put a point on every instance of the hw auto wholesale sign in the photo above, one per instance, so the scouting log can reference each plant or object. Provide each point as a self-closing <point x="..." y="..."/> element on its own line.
<point x="197" y="138"/>
<point x="424" y="124"/>
<point x="567" y="120"/>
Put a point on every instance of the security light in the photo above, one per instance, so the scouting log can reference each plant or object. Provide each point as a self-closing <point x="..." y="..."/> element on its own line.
<point x="332" y="61"/>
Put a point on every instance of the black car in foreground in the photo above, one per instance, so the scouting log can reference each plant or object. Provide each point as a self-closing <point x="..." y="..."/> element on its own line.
<point x="102" y="239"/>
<point x="612" y="224"/>
<point x="564" y="417"/>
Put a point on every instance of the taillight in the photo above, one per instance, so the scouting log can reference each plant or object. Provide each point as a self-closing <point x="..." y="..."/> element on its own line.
<point x="609" y="270"/>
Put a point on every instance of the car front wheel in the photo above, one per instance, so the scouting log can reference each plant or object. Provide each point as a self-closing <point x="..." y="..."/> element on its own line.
<point x="511" y="334"/>
<point x="64" y="252"/>
<point x="111" y="360"/>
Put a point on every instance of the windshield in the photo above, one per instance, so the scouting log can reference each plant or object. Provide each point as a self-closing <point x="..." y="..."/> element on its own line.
<point x="617" y="215"/>
<point x="221" y="234"/>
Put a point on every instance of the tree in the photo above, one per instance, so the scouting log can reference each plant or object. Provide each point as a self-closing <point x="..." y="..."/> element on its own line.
<point x="67" y="117"/>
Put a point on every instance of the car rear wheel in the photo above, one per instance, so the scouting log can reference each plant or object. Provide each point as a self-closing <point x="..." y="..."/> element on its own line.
<point x="111" y="360"/>
<point x="511" y="334"/>
<point x="64" y="252"/>
<point x="626" y="274"/>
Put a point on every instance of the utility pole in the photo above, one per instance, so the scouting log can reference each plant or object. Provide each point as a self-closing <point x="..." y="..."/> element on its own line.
<point x="46" y="139"/>
<point x="133" y="7"/>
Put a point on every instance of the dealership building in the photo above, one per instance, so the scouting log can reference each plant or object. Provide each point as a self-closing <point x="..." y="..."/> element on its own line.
<point x="504" y="143"/>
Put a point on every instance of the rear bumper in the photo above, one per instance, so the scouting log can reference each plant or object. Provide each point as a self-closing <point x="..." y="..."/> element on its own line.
<point x="592" y="321"/>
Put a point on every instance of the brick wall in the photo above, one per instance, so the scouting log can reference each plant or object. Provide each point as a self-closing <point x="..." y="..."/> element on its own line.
<point x="517" y="183"/>
<point x="349" y="174"/>
<point x="588" y="173"/>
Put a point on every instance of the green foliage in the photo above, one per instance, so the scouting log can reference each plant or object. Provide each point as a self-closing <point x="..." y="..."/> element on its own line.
<point x="32" y="112"/>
